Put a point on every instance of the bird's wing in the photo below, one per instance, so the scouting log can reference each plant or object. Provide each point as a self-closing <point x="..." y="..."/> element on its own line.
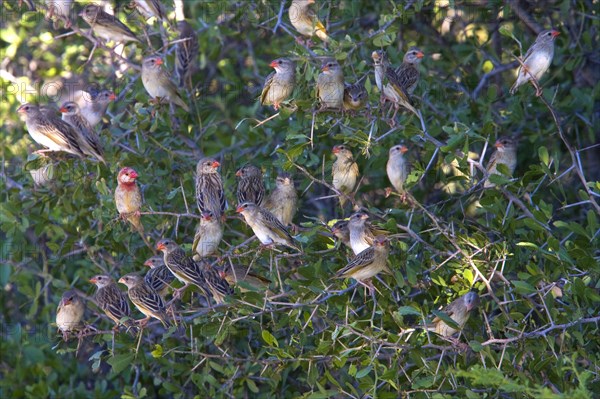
<point x="363" y="259"/>
<point x="267" y="87"/>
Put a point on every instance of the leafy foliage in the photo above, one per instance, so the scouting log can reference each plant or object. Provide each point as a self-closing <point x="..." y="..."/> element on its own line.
<point x="529" y="247"/>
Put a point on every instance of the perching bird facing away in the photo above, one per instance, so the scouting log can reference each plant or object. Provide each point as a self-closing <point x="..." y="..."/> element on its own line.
<point x="305" y="20"/>
<point x="368" y="263"/>
<point x="251" y="187"/>
<point x="267" y="228"/>
<point x="107" y="26"/>
<point x="218" y="287"/>
<point x="279" y="85"/>
<point x="88" y="140"/>
<point x="93" y="105"/>
<point x="459" y="310"/>
<point x="208" y="235"/>
<point x="50" y="131"/>
<point x="111" y="299"/>
<point x="397" y="167"/>
<point x="330" y="86"/>
<point x="283" y="201"/>
<point x="145" y="299"/>
<point x="158" y="83"/>
<point x="69" y="314"/>
<point x="128" y="197"/>
<point x="344" y="171"/>
<point x="210" y="195"/>
<point x="536" y="61"/>
<point x="506" y="154"/>
<point x="186" y="54"/>
<point x="159" y="277"/>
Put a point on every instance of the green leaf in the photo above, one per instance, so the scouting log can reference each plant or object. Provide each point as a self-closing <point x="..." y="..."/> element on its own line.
<point x="120" y="362"/>
<point x="269" y="338"/>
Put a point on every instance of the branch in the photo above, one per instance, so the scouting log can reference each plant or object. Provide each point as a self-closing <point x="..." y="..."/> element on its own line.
<point x="497" y="70"/>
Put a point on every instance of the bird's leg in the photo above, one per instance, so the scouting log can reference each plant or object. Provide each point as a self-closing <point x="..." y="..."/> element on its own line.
<point x="393" y="119"/>
<point x="177" y="294"/>
<point x="143" y="322"/>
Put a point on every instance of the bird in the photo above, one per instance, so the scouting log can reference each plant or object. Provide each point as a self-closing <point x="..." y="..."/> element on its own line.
<point x="305" y="20"/>
<point x="128" y="197"/>
<point x="184" y="268"/>
<point x="186" y="54"/>
<point x="107" y="26"/>
<point x="341" y="232"/>
<point x="267" y="228"/>
<point x="50" y="131"/>
<point x="145" y="299"/>
<point x="396" y="85"/>
<point x="93" y="105"/>
<point x="459" y="310"/>
<point x="536" y="61"/>
<point x="236" y="274"/>
<point x="279" y="85"/>
<point x="368" y="263"/>
<point x="361" y="236"/>
<point x="397" y="167"/>
<point x="150" y="8"/>
<point x="61" y="9"/>
<point x="159" y="277"/>
<point x="111" y="299"/>
<point x="88" y="140"/>
<point x="344" y="172"/>
<point x="330" y="86"/>
<point x="208" y="235"/>
<point x="251" y="187"/>
<point x="218" y="287"/>
<point x="355" y="97"/>
<point x="506" y="154"/>
<point x="157" y="82"/>
<point x="283" y="200"/>
<point x="210" y="195"/>
<point x="69" y="314"/>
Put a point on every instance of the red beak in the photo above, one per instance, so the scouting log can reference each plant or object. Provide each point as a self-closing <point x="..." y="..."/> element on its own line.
<point x="325" y="68"/>
<point x="148" y="263"/>
<point x="420" y="54"/>
<point x="238" y="173"/>
<point x="273" y="64"/>
<point x="216" y="164"/>
<point x="21" y="109"/>
<point x="133" y="174"/>
<point x="239" y="209"/>
<point x="555" y="33"/>
<point x="404" y="149"/>
<point x="498" y="144"/>
<point x="112" y="97"/>
<point x="161" y="247"/>
<point x="159" y="61"/>
<point x="364" y="216"/>
<point x="66" y="301"/>
<point x="63" y="110"/>
<point x="93" y="280"/>
<point x="335" y="150"/>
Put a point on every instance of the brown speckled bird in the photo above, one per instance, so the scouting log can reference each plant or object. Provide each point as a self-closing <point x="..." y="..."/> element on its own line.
<point x="330" y="86"/>
<point x="159" y="277"/>
<point x="506" y="154"/>
<point x="344" y="171"/>
<point x="208" y="235"/>
<point x="49" y="130"/>
<point x="69" y="314"/>
<point x="128" y="197"/>
<point x="218" y="287"/>
<point x="267" y="228"/>
<point x="305" y="20"/>
<point x="186" y="54"/>
<point x="145" y="299"/>
<point x="283" y="201"/>
<point x="459" y="310"/>
<point x="536" y="61"/>
<point x="210" y="195"/>
<point x="251" y="187"/>
<point x="279" y="85"/>
<point x="158" y="84"/>
<point x="368" y="263"/>
<point x="111" y="299"/>
<point x="107" y="26"/>
<point x="88" y="140"/>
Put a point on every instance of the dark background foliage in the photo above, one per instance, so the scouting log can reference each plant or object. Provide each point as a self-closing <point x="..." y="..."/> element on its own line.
<point x="530" y="248"/>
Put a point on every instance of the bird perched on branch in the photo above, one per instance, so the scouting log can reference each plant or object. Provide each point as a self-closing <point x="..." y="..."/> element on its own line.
<point x="210" y="195"/>
<point x="251" y="187"/>
<point x="330" y="86"/>
<point x="186" y="54"/>
<point x="279" y="85"/>
<point x="145" y="299"/>
<point x="111" y="299"/>
<point x="159" y="277"/>
<point x="368" y="263"/>
<point x="505" y="154"/>
<point x="355" y="97"/>
<point x="459" y="310"/>
<point x="283" y="201"/>
<point x="128" y="198"/>
<point x="158" y="84"/>
<point x="267" y="228"/>
<point x="208" y="235"/>
<point x="234" y="274"/>
<point x="50" y="131"/>
<point x="107" y="26"/>
<point x="305" y="20"/>
<point x="88" y="140"/>
<point x="536" y="61"/>
<point x="341" y="232"/>
<point x="69" y="314"/>
<point x="344" y="172"/>
<point x="218" y="287"/>
<point x="93" y="105"/>
<point x="397" y="167"/>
